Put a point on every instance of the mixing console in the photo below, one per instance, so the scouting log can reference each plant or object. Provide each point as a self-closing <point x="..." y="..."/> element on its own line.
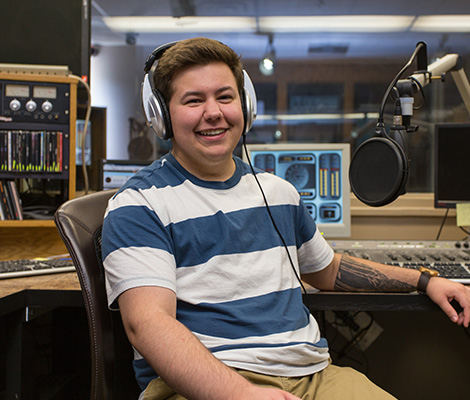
<point x="450" y="259"/>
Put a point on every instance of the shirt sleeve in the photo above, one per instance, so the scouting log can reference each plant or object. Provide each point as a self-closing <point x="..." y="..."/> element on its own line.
<point x="136" y="247"/>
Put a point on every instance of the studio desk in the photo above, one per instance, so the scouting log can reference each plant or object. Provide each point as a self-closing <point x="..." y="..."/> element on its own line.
<point x="44" y="335"/>
<point x="44" y="351"/>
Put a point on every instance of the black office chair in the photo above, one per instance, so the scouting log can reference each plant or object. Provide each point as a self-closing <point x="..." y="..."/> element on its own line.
<point x="79" y="223"/>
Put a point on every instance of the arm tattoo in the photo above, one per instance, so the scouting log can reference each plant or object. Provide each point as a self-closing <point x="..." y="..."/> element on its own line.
<point x="354" y="275"/>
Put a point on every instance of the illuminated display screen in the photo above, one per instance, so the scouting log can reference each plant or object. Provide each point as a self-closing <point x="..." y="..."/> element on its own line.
<point x="319" y="173"/>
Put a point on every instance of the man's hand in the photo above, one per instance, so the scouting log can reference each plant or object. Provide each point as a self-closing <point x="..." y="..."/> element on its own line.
<point x="443" y="292"/>
<point x="177" y="355"/>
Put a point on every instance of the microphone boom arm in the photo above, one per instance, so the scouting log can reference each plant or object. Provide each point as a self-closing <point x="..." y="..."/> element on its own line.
<point x="449" y="63"/>
<point x="463" y="86"/>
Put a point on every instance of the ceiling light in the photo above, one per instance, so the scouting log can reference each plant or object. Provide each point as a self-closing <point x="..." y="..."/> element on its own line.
<point x="337" y="23"/>
<point x="143" y="24"/>
<point x="266" y="65"/>
<point x="442" y="23"/>
<point x="317" y="23"/>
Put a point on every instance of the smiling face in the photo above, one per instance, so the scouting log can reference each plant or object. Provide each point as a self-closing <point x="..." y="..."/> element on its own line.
<point x="207" y="120"/>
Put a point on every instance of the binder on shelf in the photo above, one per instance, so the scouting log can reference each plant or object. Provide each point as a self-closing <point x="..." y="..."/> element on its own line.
<point x="5" y="212"/>
<point x="10" y="203"/>
<point x="15" y="197"/>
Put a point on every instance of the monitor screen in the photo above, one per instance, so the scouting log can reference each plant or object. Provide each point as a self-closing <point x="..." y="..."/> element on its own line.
<point x="319" y="172"/>
<point x="80" y="127"/>
<point x="115" y="173"/>
<point x="451" y="165"/>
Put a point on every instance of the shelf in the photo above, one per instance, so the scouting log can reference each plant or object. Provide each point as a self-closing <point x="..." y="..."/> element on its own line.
<point x="60" y="147"/>
<point x="28" y="223"/>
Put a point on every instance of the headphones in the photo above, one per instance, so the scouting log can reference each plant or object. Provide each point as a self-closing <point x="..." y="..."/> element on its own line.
<point x="157" y="112"/>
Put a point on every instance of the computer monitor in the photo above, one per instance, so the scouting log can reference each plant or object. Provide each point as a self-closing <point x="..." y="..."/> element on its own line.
<point x="115" y="173"/>
<point x="319" y="171"/>
<point x="79" y="128"/>
<point x="451" y="165"/>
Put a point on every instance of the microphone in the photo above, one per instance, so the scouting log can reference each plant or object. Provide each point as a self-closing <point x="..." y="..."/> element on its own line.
<point x="379" y="168"/>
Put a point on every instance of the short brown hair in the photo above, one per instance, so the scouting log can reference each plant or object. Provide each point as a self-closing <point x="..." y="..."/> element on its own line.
<point x="190" y="52"/>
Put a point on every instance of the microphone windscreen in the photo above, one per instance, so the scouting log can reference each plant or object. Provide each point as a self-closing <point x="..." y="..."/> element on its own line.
<point x="378" y="171"/>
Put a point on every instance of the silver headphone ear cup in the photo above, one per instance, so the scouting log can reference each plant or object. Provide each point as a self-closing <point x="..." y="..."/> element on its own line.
<point x="156" y="121"/>
<point x="155" y="110"/>
<point x="248" y="112"/>
<point x="249" y="102"/>
<point x="152" y="109"/>
<point x="145" y="94"/>
<point x="164" y="120"/>
<point x="154" y="105"/>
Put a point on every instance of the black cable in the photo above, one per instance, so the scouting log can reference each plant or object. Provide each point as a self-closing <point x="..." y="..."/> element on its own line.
<point x="397" y="77"/>
<point x="463" y="229"/>
<point x="421" y="91"/>
<point x="442" y="224"/>
<point x="395" y="95"/>
<point x="272" y="218"/>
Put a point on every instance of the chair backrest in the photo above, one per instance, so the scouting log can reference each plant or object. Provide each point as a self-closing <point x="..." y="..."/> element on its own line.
<point x="79" y="222"/>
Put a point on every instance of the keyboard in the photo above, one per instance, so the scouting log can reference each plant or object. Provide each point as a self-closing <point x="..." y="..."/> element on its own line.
<point x="458" y="272"/>
<point x="450" y="259"/>
<point x="35" y="266"/>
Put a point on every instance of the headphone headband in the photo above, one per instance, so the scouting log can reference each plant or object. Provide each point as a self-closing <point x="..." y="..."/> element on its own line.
<point x="156" y="110"/>
<point x="156" y="55"/>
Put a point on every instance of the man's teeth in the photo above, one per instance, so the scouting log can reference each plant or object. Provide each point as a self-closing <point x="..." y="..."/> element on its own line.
<point x="212" y="133"/>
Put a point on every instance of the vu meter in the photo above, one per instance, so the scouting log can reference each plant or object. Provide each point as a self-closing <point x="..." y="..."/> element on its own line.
<point x="25" y="101"/>
<point x="330" y="177"/>
<point x="315" y="175"/>
<point x="299" y="169"/>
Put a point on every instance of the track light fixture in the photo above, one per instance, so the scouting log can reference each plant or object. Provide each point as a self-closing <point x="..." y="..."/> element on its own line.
<point x="266" y="65"/>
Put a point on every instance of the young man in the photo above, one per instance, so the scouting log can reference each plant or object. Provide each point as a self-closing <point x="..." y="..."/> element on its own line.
<point x="214" y="310"/>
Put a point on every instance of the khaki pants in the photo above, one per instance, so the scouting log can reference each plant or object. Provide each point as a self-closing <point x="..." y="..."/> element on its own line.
<point x="333" y="383"/>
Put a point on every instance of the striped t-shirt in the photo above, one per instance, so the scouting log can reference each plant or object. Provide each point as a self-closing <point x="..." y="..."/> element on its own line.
<point x="215" y="246"/>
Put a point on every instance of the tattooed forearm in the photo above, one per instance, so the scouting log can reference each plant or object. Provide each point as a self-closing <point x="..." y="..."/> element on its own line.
<point x="355" y="275"/>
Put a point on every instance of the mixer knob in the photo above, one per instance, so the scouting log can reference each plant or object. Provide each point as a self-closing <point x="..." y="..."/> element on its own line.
<point x="46" y="106"/>
<point x="15" y="105"/>
<point x="31" y="105"/>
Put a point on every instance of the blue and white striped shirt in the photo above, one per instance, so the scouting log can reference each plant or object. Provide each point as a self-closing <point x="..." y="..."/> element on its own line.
<point x="215" y="246"/>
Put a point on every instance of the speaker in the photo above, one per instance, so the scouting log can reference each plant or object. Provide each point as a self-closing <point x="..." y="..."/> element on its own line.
<point x="156" y="110"/>
<point x="379" y="170"/>
<point x="47" y="33"/>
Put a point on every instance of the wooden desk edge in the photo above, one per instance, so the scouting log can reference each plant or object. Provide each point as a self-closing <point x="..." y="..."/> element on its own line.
<point x="58" y="281"/>
<point x="363" y="301"/>
<point x="56" y="286"/>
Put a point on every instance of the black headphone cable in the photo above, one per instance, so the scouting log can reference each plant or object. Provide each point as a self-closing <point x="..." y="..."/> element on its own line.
<point x="272" y="218"/>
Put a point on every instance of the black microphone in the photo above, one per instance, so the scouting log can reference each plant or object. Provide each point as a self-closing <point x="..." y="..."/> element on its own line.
<point x="380" y="167"/>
